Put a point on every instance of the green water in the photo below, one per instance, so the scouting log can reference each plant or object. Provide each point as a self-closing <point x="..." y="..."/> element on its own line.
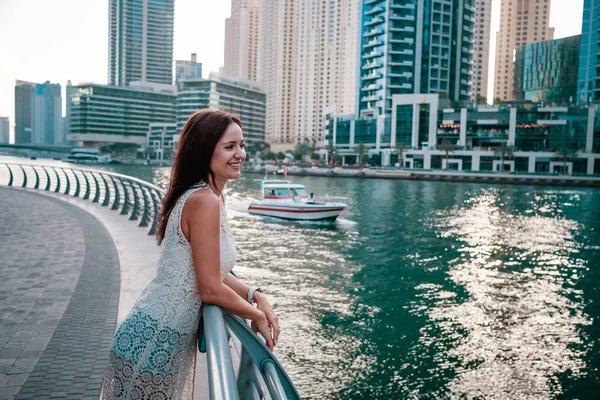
<point x="429" y="289"/>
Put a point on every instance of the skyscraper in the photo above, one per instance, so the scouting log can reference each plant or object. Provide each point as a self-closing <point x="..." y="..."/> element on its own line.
<point x="521" y="22"/>
<point x="4" y="129"/>
<point x="586" y="77"/>
<point x="47" y="124"/>
<point x="278" y="41"/>
<point x="140" y="41"/>
<point x="326" y="63"/>
<point x="23" y="111"/>
<point x="185" y="69"/>
<point x="412" y="49"/>
<point x="241" y="40"/>
<point x="481" y="49"/>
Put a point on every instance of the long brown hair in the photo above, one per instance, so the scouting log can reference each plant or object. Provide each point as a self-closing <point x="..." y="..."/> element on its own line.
<point x="197" y="142"/>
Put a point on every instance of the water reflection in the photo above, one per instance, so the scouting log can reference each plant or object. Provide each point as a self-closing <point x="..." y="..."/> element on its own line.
<point x="515" y="310"/>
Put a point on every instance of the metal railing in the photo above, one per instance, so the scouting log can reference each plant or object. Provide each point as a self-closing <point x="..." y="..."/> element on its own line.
<point x="258" y="375"/>
<point x="137" y="199"/>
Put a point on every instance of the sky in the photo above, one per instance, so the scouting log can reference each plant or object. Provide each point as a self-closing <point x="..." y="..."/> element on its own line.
<point x="63" y="40"/>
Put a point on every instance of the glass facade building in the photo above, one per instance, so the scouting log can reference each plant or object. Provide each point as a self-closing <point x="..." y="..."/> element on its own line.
<point x="38" y="113"/>
<point x="140" y="41"/>
<point x="588" y="59"/>
<point x="241" y="97"/>
<point x="409" y="47"/>
<point x="23" y="111"/>
<point x="547" y="71"/>
<point x="108" y="114"/>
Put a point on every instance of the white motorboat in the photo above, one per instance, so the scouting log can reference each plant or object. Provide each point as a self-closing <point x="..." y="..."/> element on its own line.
<point x="283" y="199"/>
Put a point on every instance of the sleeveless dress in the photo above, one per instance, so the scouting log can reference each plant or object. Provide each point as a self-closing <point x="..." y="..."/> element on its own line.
<point x="153" y="352"/>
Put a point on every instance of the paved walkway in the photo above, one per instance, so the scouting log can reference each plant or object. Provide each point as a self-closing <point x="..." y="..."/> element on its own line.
<point x="59" y="292"/>
<point x="53" y="228"/>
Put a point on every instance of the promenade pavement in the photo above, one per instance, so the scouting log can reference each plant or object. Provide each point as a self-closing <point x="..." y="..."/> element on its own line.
<point x="69" y="270"/>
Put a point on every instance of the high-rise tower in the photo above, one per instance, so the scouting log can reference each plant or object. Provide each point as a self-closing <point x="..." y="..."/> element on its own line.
<point x="587" y="85"/>
<point x="412" y="49"/>
<point x="481" y="49"/>
<point x="521" y="22"/>
<point x="140" y="41"/>
<point x="326" y="63"/>
<point x="241" y="40"/>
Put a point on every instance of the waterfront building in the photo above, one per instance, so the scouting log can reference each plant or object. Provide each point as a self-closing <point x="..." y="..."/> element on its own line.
<point x="70" y="91"/>
<point x="24" y="92"/>
<point x="241" y="41"/>
<point x="47" y="123"/>
<point x="521" y="22"/>
<point x="326" y="63"/>
<point x="4" y="130"/>
<point x="241" y="97"/>
<point x="481" y="50"/>
<point x="278" y="41"/>
<point x="103" y="114"/>
<point x="409" y="48"/>
<point x="162" y="140"/>
<point x="38" y="113"/>
<point x="547" y="71"/>
<point x="140" y="41"/>
<point x="185" y="69"/>
<point x="588" y="59"/>
<point x="535" y="138"/>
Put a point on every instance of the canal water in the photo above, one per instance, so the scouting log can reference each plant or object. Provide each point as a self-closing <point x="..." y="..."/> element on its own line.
<point x="429" y="289"/>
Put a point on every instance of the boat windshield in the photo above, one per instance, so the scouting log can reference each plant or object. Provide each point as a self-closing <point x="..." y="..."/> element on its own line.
<point x="277" y="192"/>
<point x="300" y="192"/>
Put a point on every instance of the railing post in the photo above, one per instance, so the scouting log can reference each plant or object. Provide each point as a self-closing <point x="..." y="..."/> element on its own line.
<point x="115" y="205"/>
<point x="37" y="178"/>
<point x="47" y="179"/>
<point x="221" y="376"/>
<point x="77" y="186"/>
<point x="86" y="195"/>
<point x="106" y="200"/>
<point x="125" y="209"/>
<point x="68" y="188"/>
<point x="146" y="213"/>
<point x="10" y="176"/>
<point x="97" y="186"/>
<point x="24" y="176"/>
<point x="152" y="230"/>
<point x="273" y="381"/>
<point x="57" y="180"/>
<point x="135" y="213"/>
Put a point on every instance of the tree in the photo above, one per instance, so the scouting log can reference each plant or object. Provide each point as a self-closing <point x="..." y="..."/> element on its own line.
<point x="448" y="147"/>
<point x="297" y="156"/>
<point x="303" y="149"/>
<point x="361" y="149"/>
<point x="479" y="99"/>
<point x="565" y="152"/>
<point x="269" y="155"/>
<point x="315" y="156"/>
<point x="504" y="151"/>
<point x="364" y="159"/>
<point x="331" y="151"/>
<point x="401" y="149"/>
<point x="281" y="155"/>
<point x="336" y="158"/>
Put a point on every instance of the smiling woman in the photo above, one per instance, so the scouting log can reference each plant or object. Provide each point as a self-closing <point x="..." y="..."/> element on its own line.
<point x="153" y="350"/>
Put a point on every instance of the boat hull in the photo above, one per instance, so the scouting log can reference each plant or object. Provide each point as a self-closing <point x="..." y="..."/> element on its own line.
<point x="305" y="212"/>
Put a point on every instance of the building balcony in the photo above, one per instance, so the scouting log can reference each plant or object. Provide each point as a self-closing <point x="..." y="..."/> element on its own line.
<point x="370" y="98"/>
<point x="374" y="21"/>
<point x="375" y="11"/>
<point x="373" y="2"/>
<point x="407" y="29"/>
<point x="371" y="76"/>
<point x="372" y="86"/>
<point x="408" y="41"/>
<point x="403" y="6"/>
<point x="373" y="32"/>
<point x="398" y="17"/>
<point x="407" y="63"/>
<point x="372" y="65"/>
<point x="405" y="51"/>
<point x="373" y="43"/>
<point x="372" y="54"/>
<point x="400" y="86"/>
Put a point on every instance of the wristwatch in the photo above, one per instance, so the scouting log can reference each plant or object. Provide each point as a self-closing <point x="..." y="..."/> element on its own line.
<point x="251" y="293"/>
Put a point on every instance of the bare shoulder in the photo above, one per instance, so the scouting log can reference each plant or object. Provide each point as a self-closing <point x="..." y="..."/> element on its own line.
<point x="202" y="202"/>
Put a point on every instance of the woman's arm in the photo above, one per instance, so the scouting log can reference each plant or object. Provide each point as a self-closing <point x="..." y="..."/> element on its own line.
<point x="200" y="222"/>
<point x="261" y="302"/>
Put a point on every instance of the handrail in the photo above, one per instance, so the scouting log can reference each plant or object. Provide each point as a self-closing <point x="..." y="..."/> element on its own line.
<point x="260" y="371"/>
<point x="133" y="197"/>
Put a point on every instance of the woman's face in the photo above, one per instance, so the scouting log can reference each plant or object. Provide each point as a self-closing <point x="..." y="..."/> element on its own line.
<point x="229" y="155"/>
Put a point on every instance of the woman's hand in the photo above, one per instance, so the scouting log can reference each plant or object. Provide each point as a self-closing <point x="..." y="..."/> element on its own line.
<point x="260" y="325"/>
<point x="272" y="321"/>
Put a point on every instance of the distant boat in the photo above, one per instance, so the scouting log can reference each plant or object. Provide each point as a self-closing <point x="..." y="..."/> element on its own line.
<point x="283" y="199"/>
<point x="88" y="156"/>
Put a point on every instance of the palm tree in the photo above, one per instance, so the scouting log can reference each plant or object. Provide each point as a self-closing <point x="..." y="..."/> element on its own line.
<point x="448" y="147"/>
<point x="361" y="152"/>
<point x="302" y="148"/>
<point x="565" y="152"/>
<point x="504" y="151"/>
<point x="331" y="151"/>
<point x="401" y="149"/>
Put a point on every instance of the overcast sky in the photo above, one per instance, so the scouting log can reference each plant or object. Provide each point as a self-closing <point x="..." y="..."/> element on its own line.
<point x="60" y="40"/>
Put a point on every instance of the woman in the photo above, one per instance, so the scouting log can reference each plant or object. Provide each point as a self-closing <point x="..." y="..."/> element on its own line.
<point x="153" y="352"/>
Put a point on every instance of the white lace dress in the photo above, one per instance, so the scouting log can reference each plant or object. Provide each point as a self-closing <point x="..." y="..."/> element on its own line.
<point x="153" y="352"/>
